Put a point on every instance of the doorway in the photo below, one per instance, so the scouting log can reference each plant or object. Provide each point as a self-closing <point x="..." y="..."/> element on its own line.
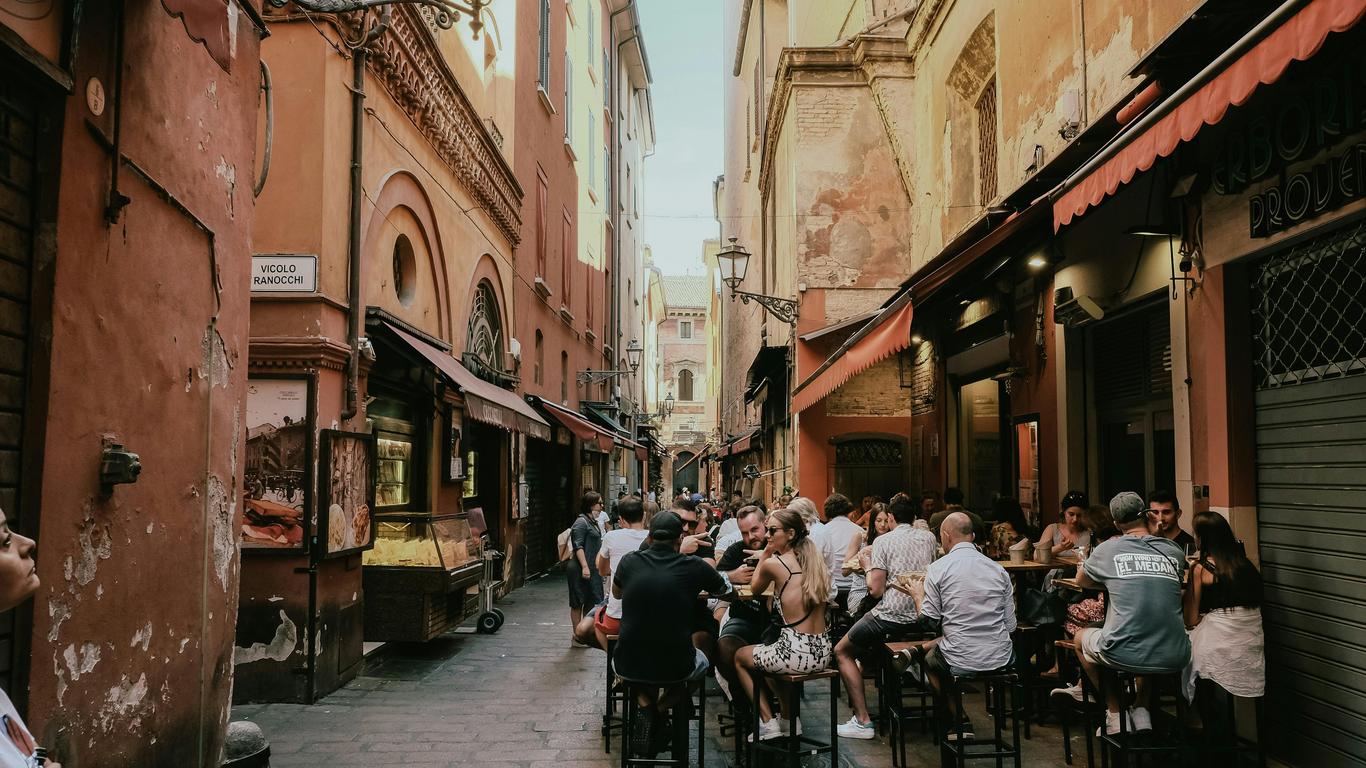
<point x="870" y="466"/>
<point x="983" y="447"/>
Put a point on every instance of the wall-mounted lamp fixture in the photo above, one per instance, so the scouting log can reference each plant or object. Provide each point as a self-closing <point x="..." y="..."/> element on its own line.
<point x="733" y="262"/>
<point x="917" y="339"/>
<point x="117" y="467"/>
<point x="1037" y="262"/>
<point x="633" y="352"/>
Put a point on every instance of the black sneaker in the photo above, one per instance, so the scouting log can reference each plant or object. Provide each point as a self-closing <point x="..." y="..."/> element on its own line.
<point x="968" y="734"/>
<point x="643" y="728"/>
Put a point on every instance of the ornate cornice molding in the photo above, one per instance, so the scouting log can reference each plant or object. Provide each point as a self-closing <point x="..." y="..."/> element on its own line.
<point x="408" y="62"/>
<point x="277" y="353"/>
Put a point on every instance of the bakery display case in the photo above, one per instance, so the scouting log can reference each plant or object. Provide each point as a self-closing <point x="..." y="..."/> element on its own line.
<point x="418" y="575"/>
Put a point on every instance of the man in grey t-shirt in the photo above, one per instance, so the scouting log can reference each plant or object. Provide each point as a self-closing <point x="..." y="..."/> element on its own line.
<point x="1144" y="632"/>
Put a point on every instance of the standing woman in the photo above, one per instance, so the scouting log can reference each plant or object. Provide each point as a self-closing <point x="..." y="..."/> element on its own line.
<point x="585" y="586"/>
<point x="880" y="522"/>
<point x="1223" y="609"/>
<point x="18" y="582"/>
<point x="793" y="562"/>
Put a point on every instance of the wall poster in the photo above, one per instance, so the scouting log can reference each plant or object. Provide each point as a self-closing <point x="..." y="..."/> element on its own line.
<point x="277" y="484"/>
<point x="347" y="493"/>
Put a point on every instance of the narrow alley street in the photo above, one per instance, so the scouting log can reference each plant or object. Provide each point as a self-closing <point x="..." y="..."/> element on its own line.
<point x="520" y="698"/>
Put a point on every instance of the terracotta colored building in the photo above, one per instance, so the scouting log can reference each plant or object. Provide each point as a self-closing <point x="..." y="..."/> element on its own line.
<point x="125" y="226"/>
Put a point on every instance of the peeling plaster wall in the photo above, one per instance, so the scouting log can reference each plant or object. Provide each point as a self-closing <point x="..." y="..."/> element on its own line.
<point x="132" y="643"/>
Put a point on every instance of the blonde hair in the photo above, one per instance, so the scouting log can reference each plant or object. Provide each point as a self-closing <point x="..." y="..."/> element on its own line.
<point x="815" y="570"/>
<point x="806" y="509"/>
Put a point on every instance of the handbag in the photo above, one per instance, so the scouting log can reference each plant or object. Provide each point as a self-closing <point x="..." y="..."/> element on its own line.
<point x="1040" y="608"/>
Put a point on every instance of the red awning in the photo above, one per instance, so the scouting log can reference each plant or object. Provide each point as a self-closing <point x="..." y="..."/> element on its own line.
<point x="484" y="401"/>
<point x="883" y="336"/>
<point x="739" y="445"/>
<point x="582" y="428"/>
<point x="1298" y="39"/>
<point x="642" y="453"/>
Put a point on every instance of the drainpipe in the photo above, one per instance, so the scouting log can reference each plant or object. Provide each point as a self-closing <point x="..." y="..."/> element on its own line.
<point x="614" y="199"/>
<point x="355" y="309"/>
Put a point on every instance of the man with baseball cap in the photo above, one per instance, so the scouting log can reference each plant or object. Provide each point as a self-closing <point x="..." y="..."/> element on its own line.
<point x="1144" y="632"/>
<point x="658" y="589"/>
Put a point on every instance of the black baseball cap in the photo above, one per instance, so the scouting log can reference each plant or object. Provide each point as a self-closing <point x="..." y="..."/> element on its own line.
<point x="666" y="526"/>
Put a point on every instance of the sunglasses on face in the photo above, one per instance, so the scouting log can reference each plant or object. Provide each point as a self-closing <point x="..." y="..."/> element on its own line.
<point x="772" y="531"/>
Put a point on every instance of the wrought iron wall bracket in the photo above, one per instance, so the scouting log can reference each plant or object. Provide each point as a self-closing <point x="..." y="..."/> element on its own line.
<point x="597" y="377"/>
<point x="783" y="309"/>
<point x="446" y="13"/>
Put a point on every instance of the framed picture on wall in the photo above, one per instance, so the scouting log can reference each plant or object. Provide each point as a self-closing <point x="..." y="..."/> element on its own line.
<point x="277" y="486"/>
<point x="346" y="492"/>
<point x="453" y="463"/>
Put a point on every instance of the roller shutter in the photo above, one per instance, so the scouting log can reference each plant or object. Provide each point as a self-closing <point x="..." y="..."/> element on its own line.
<point x="1309" y="322"/>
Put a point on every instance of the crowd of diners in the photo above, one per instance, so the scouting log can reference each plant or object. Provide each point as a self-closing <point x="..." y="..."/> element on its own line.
<point x="826" y="587"/>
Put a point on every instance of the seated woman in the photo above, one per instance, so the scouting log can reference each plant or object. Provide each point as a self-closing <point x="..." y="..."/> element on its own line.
<point x="1008" y="526"/>
<point x="879" y="522"/>
<point x="18" y="582"/>
<point x="792" y="561"/>
<point x="1070" y="531"/>
<point x="1223" y="610"/>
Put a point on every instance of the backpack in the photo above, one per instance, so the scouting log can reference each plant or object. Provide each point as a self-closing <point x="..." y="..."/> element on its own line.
<point x="566" y="547"/>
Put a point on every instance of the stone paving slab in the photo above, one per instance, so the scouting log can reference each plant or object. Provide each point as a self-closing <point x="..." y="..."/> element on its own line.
<point x="522" y="698"/>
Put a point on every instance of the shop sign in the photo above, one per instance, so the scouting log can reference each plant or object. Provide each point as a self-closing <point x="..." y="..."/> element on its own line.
<point x="1307" y="113"/>
<point x="284" y="273"/>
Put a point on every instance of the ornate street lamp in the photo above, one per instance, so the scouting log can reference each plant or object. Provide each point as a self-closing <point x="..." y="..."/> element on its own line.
<point x="633" y="352"/>
<point x="733" y="262"/>
<point x="665" y="411"/>
<point x="446" y="12"/>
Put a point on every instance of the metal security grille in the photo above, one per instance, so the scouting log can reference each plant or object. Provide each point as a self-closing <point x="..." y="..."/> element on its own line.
<point x="986" y="144"/>
<point x="18" y="178"/>
<point x="880" y="452"/>
<point x="1307" y="310"/>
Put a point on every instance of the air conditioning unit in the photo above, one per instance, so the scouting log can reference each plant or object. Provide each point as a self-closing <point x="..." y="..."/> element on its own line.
<point x="1075" y="311"/>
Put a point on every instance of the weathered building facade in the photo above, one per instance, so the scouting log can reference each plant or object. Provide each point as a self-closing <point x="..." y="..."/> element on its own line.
<point x="1120" y="220"/>
<point x="125" y="226"/>
<point x="685" y="376"/>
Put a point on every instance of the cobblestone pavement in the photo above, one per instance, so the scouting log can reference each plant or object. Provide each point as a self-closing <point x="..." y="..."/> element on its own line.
<point x="520" y="698"/>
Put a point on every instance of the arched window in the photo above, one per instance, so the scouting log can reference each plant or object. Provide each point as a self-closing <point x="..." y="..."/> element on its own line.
<point x="538" y="362"/>
<point x="484" y="337"/>
<point x="685" y="385"/>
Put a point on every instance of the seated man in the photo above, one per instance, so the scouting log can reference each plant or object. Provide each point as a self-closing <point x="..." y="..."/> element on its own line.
<point x="695" y="541"/>
<point x="658" y="589"/>
<point x="605" y="619"/>
<point x="900" y="550"/>
<point x="745" y="624"/>
<point x="974" y="602"/>
<point x="1144" y="632"/>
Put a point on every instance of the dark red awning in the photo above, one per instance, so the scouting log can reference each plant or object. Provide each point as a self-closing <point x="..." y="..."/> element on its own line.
<point x="1298" y="39"/>
<point x="884" y="336"/>
<point x="582" y="428"/>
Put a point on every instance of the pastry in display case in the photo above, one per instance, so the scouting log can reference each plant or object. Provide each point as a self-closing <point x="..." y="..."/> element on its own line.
<point x="417" y="575"/>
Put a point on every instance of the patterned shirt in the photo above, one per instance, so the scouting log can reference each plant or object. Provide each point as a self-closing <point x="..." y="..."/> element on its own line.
<point x="897" y="551"/>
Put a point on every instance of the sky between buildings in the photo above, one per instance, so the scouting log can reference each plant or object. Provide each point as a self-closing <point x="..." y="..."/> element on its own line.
<point x="683" y="43"/>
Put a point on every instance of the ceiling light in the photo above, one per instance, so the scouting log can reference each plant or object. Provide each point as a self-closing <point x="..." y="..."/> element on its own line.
<point x="1037" y="262"/>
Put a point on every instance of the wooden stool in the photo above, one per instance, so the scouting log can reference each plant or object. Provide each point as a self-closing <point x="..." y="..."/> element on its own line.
<point x="680" y="724"/>
<point x="1123" y="744"/>
<point x="1067" y="650"/>
<point x="956" y="751"/>
<point x="897" y="685"/>
<point x="611" y="720"/>
<point x="793" y="746"/>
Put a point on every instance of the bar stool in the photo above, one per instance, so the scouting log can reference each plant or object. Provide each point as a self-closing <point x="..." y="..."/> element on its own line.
<point x="680" y="722"/>
<point x="793" y="746"/>
<point x="611" y="720"/>
<point x="1083" y="710"/>
<point x="955" y="751"/>
<point x="899" y="684"/>
<point x="1122" y="745"/>
<point x="1226" y="746"/>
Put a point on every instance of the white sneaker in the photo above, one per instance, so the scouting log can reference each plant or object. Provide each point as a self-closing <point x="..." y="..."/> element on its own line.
<point x="1066" y="695"/>
<point x="1140" y="720"/>
<point x="856" y="730"/>
<point x="1111" y="724"/>
<point x="768" y="730"/>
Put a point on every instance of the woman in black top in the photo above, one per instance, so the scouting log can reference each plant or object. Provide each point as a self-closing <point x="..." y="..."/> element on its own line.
<point x="1223" y="609"/>
<point x="585" y="586"/>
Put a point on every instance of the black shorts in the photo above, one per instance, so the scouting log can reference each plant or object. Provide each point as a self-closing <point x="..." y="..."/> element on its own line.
<point x="703" y="620"/>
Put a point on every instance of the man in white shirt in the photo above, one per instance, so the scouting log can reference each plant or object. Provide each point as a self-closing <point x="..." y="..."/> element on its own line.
<point x="606" y="619"/>
<point x="836" y="536"/>
<point x="972" y="599"/>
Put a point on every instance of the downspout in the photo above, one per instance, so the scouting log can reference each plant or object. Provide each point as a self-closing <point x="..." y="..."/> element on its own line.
<point x="355" y="309"/>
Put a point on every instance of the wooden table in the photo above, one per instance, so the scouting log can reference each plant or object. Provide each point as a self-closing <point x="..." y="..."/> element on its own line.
<point x="1033" y="566"/>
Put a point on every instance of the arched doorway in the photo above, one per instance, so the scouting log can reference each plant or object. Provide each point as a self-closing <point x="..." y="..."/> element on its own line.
<point x="869" y="466"/>
<point x="687" y="476"/>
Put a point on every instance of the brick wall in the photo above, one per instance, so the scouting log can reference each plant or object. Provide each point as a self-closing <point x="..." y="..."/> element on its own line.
<point x="875" y="392"/>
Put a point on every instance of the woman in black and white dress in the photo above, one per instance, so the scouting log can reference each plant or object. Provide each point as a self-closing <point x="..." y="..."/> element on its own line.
<point x="792" y="561"/>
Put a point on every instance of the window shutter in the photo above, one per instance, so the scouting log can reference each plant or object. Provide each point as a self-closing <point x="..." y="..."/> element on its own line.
<point x="1133" y="358"/>
<point x="544" y="71"/>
